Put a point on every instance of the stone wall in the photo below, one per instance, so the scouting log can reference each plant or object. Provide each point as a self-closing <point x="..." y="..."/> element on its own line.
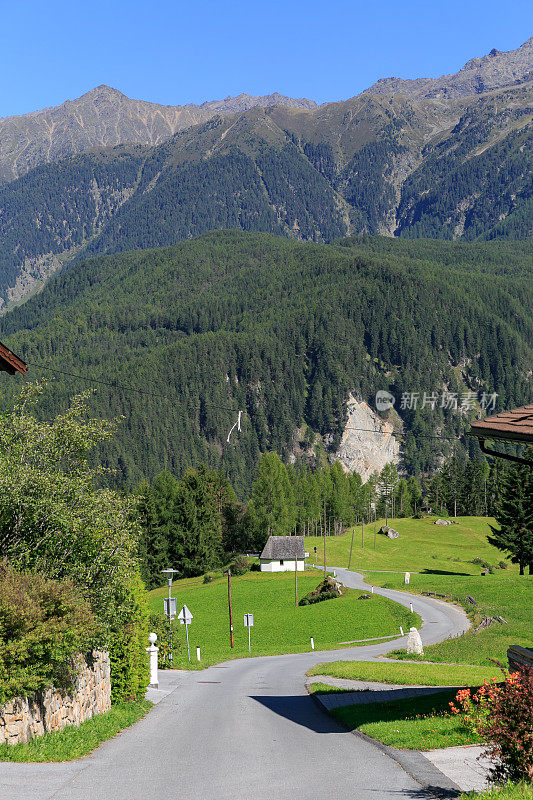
<point x="25" y="717"/>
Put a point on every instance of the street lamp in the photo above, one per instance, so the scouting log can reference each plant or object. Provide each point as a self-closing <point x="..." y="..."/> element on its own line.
<point x="170" y="606"/>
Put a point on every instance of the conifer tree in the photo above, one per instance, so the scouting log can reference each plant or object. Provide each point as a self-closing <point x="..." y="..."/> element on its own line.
<point x="514" y="516"/>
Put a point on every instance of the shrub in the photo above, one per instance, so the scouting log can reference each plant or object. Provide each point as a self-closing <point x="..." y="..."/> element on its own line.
<point x="326" y="590"/>
<point x="44" y="624"/>
<point x="240" y="566"/>
<point x="503" y="565"/>
<point x="509" y="729"/>
<point x="255" y="567"/>
<point x="128" y="643"/>
<point x="503" y="716"/>
<point x="208" y="577"/>
<point x="158" y="623"/>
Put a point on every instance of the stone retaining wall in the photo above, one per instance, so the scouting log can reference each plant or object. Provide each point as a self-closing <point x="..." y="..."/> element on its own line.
<point x="25" y="717"/>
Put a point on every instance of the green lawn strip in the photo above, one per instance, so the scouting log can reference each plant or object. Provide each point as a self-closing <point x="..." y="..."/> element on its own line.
<point x="508" y="596"/>
<point x="280" y="626"/>
<point x="422" y="545"/>
<point x="408" y="674"/>
<point x="75" y="742"/>
<point x="325" y="688"/>
<point x="518" y="791"/>
<point x="415" y="723"/>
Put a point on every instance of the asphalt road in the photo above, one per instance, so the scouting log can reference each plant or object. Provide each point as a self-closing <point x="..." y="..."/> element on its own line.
<point x="244" y="729"/>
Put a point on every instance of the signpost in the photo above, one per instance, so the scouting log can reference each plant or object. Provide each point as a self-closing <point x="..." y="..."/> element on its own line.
<point x="170" y="607"/>
<point x="185" y="618"/>
<point x="249" y="623"/>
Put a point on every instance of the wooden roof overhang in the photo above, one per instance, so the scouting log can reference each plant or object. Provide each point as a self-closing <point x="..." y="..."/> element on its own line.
<point x="9" y="362"/>
<point x="509" y="426"/>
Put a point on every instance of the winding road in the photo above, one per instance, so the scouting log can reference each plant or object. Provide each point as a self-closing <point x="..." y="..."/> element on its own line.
<point x="245" y="729"/>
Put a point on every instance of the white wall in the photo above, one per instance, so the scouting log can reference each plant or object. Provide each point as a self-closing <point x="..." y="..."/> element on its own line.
<point x="271" y="565"/>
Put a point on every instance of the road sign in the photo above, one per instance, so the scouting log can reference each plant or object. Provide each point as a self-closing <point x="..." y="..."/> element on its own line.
<point x="249" y="623"/>
<point x="170" y="605"/>
<point x="185" y="616"/>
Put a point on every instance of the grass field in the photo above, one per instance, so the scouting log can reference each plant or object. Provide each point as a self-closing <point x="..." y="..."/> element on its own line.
<point x="76" y="742"/>
<point x="280" y="626"/>
<point x="408" y="674"/>
<point x="509" y="596"/>
<point x="443" y="556"/>
<point x="422" y="546"/>
<point x="415" y="723"/>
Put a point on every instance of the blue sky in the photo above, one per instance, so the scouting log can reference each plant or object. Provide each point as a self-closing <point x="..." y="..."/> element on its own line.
<point x="176" y="52"/>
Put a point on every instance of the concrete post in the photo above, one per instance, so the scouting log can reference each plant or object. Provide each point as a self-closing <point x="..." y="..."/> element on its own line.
<point x="152" y="652"/>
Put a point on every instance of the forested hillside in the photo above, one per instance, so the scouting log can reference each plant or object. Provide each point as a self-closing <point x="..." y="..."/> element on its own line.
<point x="376" y="164"/>
<point x="281" y="330"/>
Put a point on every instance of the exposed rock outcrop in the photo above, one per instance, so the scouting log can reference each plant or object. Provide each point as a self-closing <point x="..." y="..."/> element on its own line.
<point x="368" y="442"/>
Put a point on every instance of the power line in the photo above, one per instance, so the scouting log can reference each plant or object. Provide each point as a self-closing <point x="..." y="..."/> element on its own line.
<point x="123" y="387"/>
<point x="401" y="434"/>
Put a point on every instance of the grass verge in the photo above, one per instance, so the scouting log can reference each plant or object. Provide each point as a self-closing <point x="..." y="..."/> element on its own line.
<point x="75" y="742"/>
<point x="419" y="723"/>
<point x="518" y="791"/>
<point x="280" y="626"/>
<point x="510" y="597"/>
<point x="408" y="674"/>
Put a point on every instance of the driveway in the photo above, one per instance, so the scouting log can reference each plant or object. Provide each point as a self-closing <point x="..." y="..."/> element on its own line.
<point x="245" y="729"/>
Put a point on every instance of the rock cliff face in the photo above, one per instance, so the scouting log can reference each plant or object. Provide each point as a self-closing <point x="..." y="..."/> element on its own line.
<point x="368" y="442"/>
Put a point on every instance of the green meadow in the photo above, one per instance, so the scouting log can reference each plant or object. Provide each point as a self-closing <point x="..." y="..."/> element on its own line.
<point x="279" y="625"/>
<point x="421" y="547"/>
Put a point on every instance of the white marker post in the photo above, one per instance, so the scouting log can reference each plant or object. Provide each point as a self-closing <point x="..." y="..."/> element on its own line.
<point x="152" y="652"/>
<point x="411" y="607"/>
<point x="198" y="654"/>
<point x="312" y="643"/>
<point x="185" y="618"/>
<point x="249" y="623"/>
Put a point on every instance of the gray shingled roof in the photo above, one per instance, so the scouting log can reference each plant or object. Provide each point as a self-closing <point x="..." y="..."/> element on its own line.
<point x="284" y="547"/>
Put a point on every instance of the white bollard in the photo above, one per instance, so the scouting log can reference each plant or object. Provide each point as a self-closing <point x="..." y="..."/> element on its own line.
<point x="312" y="643"/>
<point x="152" y="652"/>
<point x="411" y="607"/>
<point x="401" y="631"/>
<point x="198" y="654"/>
<point x="407" y="577"/>
<point x="372" y="590"/>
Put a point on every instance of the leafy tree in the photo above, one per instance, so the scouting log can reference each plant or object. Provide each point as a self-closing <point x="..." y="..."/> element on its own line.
<point x="514" y="516"/>
<point x="53" y="517"/>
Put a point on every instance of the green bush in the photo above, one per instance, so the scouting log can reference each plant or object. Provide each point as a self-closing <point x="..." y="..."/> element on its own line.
<point x="44" y="624"/>
<point x="326" y="590"/>
<point x="158" y="624"/>
<point x="240" y="566"/>
<point x="208" y="577"/>
<point x="128" y="643"/>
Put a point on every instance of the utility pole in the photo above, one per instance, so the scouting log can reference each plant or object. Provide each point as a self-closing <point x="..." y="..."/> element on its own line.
<point x="351" y="547"/>
<point x="363" y="533"/>
<point x="325" y="562"/>
<point x="375" y="529"/>
<point x="296" y="577"/>
<point x="230" y="608"/>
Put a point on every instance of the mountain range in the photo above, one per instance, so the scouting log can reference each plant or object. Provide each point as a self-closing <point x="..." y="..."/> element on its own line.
<point x="436" y="158"/>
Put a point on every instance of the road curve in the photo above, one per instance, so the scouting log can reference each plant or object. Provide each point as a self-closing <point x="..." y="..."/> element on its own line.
<point x="243" y="729"/>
